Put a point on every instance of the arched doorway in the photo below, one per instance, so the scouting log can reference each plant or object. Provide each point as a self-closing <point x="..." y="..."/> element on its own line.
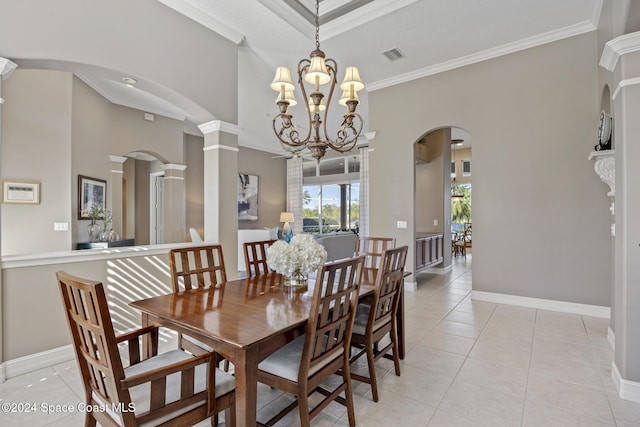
<point x="442" y="167"/>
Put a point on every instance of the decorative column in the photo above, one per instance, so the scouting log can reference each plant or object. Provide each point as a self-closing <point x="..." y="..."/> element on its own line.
<point x="294" y="192"/>
<point x="220" y="189"/>
<point x="621" y="56"/>
<point x="6" y="68"/>
<point x="117" y="178"/>
<point x="175" y="223"/>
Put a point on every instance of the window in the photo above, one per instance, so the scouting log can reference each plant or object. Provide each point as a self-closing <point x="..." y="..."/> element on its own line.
<point x="466" y="168"/>
<point x="330" y="207"/>
<point x="331" y="194"/>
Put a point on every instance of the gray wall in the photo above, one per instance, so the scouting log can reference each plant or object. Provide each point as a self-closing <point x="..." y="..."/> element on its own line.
<point x="537" y="204"/>
<point x="116" y="43"/>
<point x="272" y="186"/>
<point x="36" y="146"/>
<point x="194" y="183"/>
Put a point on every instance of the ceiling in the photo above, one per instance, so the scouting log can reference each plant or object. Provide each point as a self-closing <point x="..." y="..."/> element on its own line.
<point x="434" y="36"/>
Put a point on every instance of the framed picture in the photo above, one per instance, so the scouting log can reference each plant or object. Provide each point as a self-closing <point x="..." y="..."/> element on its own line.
<point x="22" y="192"/>
<point x="247" y="197"/>
<point x="91" y="192"/>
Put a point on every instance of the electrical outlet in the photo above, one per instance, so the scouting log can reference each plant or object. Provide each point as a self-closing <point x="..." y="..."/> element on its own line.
<point x="60" y="226"/>
<point x="402" y="224"/>
<point x="435" y="222"/>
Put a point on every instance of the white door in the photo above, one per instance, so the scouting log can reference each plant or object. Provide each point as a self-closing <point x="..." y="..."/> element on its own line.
<point x="156" y="235"/>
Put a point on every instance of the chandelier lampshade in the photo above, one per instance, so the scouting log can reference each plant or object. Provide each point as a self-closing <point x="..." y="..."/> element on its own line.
<point x="316" y="71"/>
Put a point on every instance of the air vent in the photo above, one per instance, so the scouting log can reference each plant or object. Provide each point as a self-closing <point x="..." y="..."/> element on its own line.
<point x="393" y="54"/>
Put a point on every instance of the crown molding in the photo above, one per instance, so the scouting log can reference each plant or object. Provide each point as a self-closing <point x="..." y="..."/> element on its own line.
<point x="204" y="19"/>
<point x="220" y="147"/>
<point x="538" y="40"/>
<point x="219" y="126"/>
<point x="617" y="47"/>
<point x="7" y="67"/>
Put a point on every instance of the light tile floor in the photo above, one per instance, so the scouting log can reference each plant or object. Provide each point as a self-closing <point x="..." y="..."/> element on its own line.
<point x="469" y="364"/>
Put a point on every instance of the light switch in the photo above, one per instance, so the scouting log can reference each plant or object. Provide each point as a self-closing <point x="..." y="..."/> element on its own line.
<point x="435" y="222"/>
<point x="402" y="224"/>
<point x="60" y="226"/>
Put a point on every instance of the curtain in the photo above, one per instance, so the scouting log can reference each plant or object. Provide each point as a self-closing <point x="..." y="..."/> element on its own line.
<point x="364" y="192"/>
<point x="294" y="192"/>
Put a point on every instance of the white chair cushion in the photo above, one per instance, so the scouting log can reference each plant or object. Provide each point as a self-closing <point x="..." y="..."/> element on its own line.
<point x="225" y="383"/>
<point x="285" y="362"/>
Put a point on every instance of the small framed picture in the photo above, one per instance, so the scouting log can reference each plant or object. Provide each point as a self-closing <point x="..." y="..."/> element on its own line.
<point x="22" y="192"/>
<point x="91" y="192"/>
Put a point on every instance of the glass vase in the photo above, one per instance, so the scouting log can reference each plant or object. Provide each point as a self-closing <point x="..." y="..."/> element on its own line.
<point x="296" y="280"/>
<point x="94" y="232"/>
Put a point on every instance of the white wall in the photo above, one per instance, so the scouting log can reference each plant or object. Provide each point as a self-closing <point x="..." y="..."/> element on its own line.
<point x="538" y="208"/>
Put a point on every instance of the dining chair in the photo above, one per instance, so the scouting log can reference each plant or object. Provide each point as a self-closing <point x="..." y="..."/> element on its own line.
<point x="372" y="248"/>
<point x="255" y="257"/>
<point x="373" y="322"/>
<point x="171" y="388"/>
<point x="301" y="366"/>
<point x="196" y="267"/>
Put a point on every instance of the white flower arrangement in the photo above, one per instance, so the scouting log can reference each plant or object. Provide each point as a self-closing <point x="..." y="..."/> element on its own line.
<point x="298" y="258"/>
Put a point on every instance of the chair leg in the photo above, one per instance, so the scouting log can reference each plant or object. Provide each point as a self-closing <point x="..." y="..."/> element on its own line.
<point x="303" y="408"/>
<point x="89" y="421"/>
<point x="346" y="377"/>
<point x="371" y="362"/>
<point x="230" y="416"/>
<point x="394" y="340"/>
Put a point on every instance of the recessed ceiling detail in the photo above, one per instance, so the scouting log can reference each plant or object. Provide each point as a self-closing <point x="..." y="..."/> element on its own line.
<point x="336" y="16"/>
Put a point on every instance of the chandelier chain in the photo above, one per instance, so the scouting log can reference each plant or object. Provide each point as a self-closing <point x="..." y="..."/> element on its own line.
<point x="318" y="24"/>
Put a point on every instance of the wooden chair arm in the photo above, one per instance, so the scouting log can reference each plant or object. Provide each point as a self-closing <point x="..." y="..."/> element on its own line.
<point x="165" y="371"/>
<point x="136" y="333"/>
<point x="132" y="338"/>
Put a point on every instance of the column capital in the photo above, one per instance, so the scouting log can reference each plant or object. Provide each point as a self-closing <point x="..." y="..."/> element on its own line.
<point x="6" y="67"/>
<point x="117" y="159"/>
<point x="173" y="166"/>
<point x="219" y="126"/>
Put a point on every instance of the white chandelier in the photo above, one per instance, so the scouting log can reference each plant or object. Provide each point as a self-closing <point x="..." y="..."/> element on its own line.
<point x="317" y="71"/>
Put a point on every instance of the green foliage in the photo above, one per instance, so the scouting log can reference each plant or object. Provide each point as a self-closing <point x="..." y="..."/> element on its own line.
<point x="461" y="210"/>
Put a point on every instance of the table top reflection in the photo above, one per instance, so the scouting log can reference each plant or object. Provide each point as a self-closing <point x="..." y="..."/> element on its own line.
<point x="239" y="312"/>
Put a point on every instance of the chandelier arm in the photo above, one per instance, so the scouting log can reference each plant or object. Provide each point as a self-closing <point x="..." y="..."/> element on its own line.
<point x="343" y="143"/>
<point x="303" y="66"/>
<point x="287" y="129"/>
<point x="332" y="67"/>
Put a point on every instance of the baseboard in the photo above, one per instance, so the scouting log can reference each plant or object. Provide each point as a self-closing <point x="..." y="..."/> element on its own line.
<point x="434" y="270"/>
<point x="627" y="390"/>
<point x="410" y="286"/>
<point x="33" y="362"/>
<point x="611" y="338"/>
<point x="543" y="304"/>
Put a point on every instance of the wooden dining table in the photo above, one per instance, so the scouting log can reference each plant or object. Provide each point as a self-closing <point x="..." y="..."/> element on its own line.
<point x="244" y="320"/>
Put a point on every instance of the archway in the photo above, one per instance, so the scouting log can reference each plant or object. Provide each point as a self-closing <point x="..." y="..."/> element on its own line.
<point x="435" y="176"/>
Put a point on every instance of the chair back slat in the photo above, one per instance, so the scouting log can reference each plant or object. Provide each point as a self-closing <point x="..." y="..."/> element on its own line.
<point x="331" y="319"/>
<point x="197" y="267"/>
<point x="255" y="257"/>
<point x="388" y="283"/>
<point x="372" y="249"/>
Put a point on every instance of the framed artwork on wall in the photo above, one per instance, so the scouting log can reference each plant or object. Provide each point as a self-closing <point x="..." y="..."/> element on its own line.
<point x="22" y="192"/>
<point x="247" y="197"/>
<point x="91" y="192"/>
